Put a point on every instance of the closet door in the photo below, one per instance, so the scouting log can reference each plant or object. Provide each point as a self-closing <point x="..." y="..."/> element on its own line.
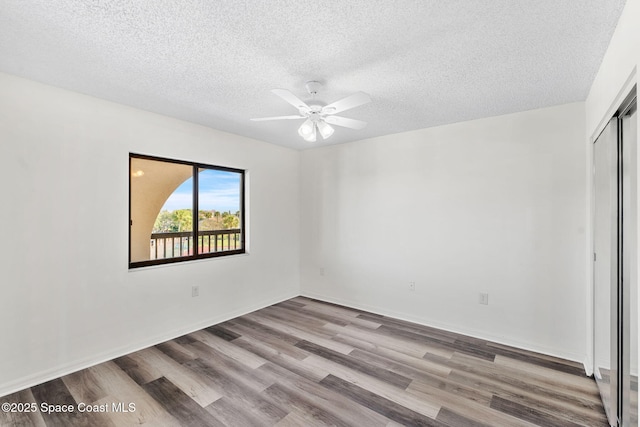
<point x="605" y="269"/>
<point x="628" y="406"/>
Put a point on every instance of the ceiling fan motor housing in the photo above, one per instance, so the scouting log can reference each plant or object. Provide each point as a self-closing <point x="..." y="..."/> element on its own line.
<point x="313" y="87"/>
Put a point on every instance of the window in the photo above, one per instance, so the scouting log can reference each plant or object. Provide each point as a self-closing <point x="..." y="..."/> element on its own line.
<point x="180" y="211"/>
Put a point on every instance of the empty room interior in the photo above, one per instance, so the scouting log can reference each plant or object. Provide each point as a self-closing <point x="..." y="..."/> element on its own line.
<point x="309" y="213"/>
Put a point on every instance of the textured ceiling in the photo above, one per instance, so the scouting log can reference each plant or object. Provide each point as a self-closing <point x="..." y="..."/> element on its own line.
<point x="424" y="63"/>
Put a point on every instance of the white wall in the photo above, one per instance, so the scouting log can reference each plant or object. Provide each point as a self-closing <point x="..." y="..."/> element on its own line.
<point x="616" y="76"/>
<point x="493" y="205"/>
<point x="67" y="297"/>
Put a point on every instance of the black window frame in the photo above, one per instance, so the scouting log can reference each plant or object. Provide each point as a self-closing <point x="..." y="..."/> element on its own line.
<point x="195" y="210"/>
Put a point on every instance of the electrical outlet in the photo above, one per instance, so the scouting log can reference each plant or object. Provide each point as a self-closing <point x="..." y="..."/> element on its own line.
<point x="412" y="286"/>
<point x="322" y="271"/>
<point x="483" y="299"/>
<point x="195" y="291"/>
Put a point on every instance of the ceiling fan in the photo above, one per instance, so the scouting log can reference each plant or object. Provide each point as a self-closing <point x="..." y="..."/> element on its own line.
<point x="320" y="118"/>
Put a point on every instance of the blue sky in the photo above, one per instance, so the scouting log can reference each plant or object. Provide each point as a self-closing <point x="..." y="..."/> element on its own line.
<point x="219" y="190"/>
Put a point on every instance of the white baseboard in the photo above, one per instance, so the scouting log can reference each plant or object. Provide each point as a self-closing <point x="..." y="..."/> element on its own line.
<point x="77" y="365"/>
<point x="450" y="328"/>
<point x="588" y="368"/>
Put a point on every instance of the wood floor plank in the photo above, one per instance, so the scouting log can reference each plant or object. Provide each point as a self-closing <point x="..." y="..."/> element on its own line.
<point x="283" y="360"/>
<point x="320" y="318"/>
<point x="579" y="384"/>
<point x="258" y="326"/>
<point x="21" y="418"/>
<point x="382" y="389"/>
<point x="414" y="332"/>
<point x="297" y="418"/>
<point x="175" y="351"/>
<point x="121" y="388"/>
<point x="518" y="382"/>
<point x="380" y="404"/>
<point x="297" y="317"/>
<point x="328" y="307"/>
<point x="420" y="363"/>
<point x="561" y="410"/>
<point x="561" y="365"/>
<point x="337" y="308"/>
<point x="348" y="319"/>
<point x="479" y="351"/>
<point x="302" y="334"/>
<point x="290" y="303"/>
<point x="288" y="398"/>
<point x="452" y="419"/>
<point x="191" y="384"/>
<point x="398" y="324"/>
<point x="245" y="357"/>
<point x="470" y="408"/>
<point x="232" y="413"/>
<point x="316" y="327"/>
<point x="327" y="317"/>
<point x="428" y="372"/>
<point x="179" y="405"/>
<point x="537" y="398"/>
<point x="83" y="386"/>
<point x="249" y="378"/>
<point x="518" y="378"/>
<point x="394" y="343"/>
<point x="273" y="342"/>
<point x="56" y="393"/>
<point x="358" y="365"/>
<point x="529" y="414"/>
<point x="246" y="398"/>
<point x="446" y="391"/>
<point x="336" y="314"/>
<point x="222" y="332"/>
<point x="312" y="393"/>
<point x="185" y="339"/>
<point x="136" y="367"/>
<point x="425" y="344"/>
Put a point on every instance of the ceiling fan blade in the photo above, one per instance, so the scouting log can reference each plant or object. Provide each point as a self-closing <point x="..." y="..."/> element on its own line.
<point x="345" y="122"/>
<point x="262" y="119"/>
<point x="291" y="98"/>
<point x="347" y="103"/>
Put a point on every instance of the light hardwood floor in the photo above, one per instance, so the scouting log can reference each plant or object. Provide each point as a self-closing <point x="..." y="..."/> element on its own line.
<point x="308" y="363"/>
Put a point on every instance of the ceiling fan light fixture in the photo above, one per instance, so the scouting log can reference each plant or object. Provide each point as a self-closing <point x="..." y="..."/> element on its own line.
<point x="325" y="129"/>
<point x="312" y="137"/>
<point x="306" y="129"/>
